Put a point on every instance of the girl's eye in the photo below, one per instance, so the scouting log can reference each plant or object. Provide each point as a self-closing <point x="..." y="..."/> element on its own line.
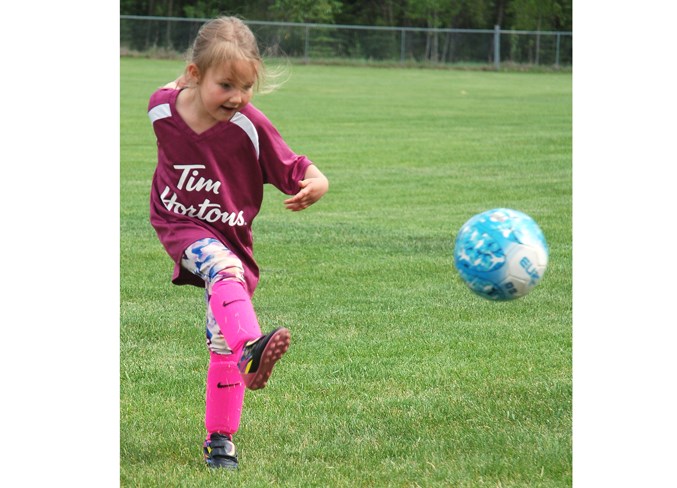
<point x="226" y="86"/>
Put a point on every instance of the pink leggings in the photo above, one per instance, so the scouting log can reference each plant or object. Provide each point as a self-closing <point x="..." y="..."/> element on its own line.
<point x="231" y="322"/>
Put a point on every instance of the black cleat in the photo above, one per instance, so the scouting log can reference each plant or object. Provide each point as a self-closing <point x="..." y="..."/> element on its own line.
<point x="260" y="355"/>
<point x="220" y="452"/>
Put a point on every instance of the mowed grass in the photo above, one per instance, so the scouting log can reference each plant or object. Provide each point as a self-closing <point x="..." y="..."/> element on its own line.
<point x="397" y="375"/>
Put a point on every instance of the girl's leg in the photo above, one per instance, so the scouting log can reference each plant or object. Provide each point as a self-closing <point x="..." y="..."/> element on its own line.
<point x="231" y="322"/>
<point x="233" y="311"/>
<point x="240" y="356"/>
<point x="225" y="395"/>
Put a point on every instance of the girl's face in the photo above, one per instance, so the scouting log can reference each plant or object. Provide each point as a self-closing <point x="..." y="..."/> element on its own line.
<point x="225" y="89"/>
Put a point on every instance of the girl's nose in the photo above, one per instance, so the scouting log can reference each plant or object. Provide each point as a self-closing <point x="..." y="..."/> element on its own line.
<point x="235" y="97"/>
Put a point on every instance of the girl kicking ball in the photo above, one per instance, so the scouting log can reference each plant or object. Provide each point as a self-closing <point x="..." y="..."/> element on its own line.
<point x="215" y="153"/>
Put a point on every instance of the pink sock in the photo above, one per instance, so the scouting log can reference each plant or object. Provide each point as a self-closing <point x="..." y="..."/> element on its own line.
<point x="234" y="313"/>
<point x="225" y="394"/>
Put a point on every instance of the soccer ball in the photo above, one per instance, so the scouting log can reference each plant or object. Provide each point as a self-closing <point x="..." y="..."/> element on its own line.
<point x="501" y="254"/>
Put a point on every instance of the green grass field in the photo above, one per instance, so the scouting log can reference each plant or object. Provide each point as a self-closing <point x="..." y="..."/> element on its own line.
<point x="397" y="375"/>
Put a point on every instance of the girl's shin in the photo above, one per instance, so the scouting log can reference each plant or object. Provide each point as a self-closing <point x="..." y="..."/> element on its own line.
<point x="225" y="395"/>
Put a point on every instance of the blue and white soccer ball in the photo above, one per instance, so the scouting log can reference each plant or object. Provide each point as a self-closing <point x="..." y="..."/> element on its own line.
<point x="501" y="254"/>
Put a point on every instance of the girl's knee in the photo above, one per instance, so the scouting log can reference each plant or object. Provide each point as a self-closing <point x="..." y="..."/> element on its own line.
<point x="212" y="261"/>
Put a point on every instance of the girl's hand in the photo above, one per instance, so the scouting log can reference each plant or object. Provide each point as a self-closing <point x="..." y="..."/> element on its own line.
<point x="312" y="189"/>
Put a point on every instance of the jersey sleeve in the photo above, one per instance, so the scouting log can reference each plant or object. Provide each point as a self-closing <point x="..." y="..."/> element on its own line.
<point x="281" y="167"/>
<point x="159" y="97"/>
<point x="159" y="104"/>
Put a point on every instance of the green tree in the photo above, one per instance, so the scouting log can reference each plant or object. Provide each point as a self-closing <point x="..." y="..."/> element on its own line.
<point x="373" y="12"/>
<point x="470" y="14"/>
<point x="320" y="11"/>
<point x="538" y="14"/>
<point x="430" y="14"/>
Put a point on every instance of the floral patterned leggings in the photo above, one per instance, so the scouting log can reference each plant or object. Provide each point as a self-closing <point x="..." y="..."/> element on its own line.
<point x="212" y="261"/>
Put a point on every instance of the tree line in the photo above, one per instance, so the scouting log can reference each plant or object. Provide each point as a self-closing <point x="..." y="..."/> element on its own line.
<point x="541" y="15"/>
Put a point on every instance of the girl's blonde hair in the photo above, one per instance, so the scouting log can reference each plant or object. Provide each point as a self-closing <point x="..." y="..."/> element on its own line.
<point x="226" y="39"/>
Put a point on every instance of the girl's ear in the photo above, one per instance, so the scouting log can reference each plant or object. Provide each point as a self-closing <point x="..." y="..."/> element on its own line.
<point x="193" y="72"/>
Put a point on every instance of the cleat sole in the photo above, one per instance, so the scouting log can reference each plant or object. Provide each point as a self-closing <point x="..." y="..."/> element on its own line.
<point x="272" y="353"/>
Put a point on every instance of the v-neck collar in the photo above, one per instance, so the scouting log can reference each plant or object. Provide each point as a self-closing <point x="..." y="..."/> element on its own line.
<point x="216" y="128"/>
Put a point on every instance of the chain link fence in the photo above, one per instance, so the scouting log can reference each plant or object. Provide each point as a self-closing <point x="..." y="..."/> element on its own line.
<point x="368" y="44"/>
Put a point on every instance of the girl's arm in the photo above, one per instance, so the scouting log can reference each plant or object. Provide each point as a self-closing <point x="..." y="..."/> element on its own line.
<point x="313" y="187"/>
<point x="180" y="82"/>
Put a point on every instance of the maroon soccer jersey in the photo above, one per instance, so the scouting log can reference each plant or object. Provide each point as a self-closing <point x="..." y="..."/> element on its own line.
<point x="211" y="184"/>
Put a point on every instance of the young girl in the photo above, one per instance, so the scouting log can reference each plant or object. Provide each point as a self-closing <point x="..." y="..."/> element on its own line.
<point x="215" y="152"/>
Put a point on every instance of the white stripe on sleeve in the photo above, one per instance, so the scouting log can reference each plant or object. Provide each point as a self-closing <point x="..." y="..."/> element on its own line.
<point x="246" y="125"/>
<point x="159" y="112"/>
